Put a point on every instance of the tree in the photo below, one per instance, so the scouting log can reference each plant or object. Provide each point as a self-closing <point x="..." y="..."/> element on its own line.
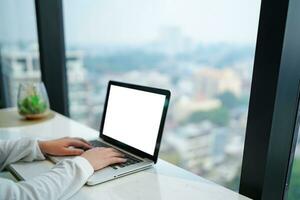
<point x="218" y="116"/>
<point x="229" y="100"/>
<point x="294" y="188"/>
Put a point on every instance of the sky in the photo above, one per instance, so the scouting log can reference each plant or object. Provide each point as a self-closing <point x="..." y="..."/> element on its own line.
<point x="17" y="21"/>
<point x="142" y="21"/>
<point x="92" y="22"/>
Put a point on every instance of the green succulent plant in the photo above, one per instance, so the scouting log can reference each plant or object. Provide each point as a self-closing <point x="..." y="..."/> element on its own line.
<point x="32" y="104"/>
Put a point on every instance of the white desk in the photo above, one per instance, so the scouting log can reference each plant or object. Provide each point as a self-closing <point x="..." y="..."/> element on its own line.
<point x="164" y="181"/>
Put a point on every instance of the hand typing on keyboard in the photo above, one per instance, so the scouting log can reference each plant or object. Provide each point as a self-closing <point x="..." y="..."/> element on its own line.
<point x="130" y="159"/>
<point x="100" y="157"/>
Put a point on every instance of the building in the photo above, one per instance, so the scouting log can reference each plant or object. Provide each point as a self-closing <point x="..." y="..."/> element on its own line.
<point x="193" y="143"/>
<point x="213" y="81"/>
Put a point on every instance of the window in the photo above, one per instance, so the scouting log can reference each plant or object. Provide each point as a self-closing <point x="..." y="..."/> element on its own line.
<point x="18" y="46"/>
<point x="202" y="51"/>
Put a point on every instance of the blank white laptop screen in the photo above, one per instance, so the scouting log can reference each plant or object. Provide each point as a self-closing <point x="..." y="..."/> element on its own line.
<point x="133" y="117"/>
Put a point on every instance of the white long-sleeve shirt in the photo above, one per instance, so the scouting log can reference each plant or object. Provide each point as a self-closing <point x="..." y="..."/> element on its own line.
<point x="61" y="182"/>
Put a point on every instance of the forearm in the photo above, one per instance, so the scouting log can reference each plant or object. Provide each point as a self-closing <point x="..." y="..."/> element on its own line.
<point x="61" y="182"/>
<point x="24" y="149"/>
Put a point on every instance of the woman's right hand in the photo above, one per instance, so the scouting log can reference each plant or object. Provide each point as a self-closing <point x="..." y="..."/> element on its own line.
<point x="100" y="157"/>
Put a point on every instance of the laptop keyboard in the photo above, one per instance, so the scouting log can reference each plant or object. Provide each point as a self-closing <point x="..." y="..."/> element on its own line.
<point x="96" y="143"/>
<point x="130" y="159"/>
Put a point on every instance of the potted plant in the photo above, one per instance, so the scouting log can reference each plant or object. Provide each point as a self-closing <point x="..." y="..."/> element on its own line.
<point x="33" y="100"/>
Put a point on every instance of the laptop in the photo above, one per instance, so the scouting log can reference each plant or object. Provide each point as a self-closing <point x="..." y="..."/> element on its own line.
<point x="132" y="122"/>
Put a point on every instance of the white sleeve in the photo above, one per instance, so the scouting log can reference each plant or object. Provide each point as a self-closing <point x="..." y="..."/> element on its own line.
<point x="24" y="149"/>
<point x="61" y="182"/>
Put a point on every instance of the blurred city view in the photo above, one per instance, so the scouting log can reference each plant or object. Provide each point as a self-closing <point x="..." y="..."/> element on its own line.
<point x="210" y="87"/>
<point x="203" y="51"/>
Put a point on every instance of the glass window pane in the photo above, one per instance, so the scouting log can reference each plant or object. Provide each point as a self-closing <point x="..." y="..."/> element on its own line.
<point x="202" y="51"/>
<point x="18" y="45"/>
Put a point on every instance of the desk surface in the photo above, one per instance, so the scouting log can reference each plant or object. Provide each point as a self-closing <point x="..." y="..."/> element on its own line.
<point x="163" y="181"/>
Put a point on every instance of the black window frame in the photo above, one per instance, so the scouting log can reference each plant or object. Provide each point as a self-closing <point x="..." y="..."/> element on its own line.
<point x="273" y="102"/>
<point x="50" y="28"/>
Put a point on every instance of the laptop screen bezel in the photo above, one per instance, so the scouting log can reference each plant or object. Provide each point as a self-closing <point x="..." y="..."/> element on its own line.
<point x="124" y="146"/>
